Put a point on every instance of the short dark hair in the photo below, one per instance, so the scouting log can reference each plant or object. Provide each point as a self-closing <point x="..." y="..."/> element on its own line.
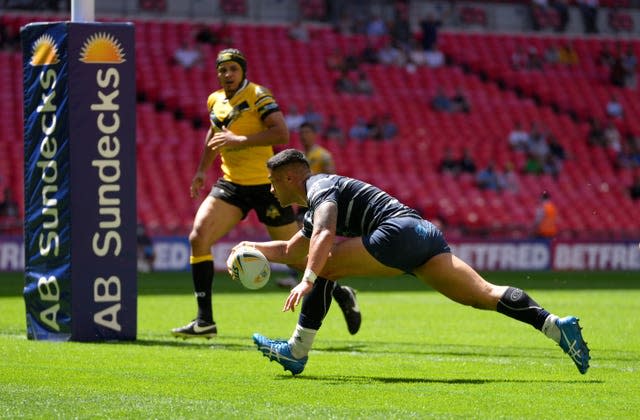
<point x="287" y="157"/>
<point x="308" y="125"/>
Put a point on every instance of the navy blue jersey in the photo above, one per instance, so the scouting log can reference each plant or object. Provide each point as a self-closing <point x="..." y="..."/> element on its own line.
<point x="361" y="206"/>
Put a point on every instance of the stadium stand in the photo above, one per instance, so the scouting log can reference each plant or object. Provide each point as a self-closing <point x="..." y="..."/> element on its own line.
<point x="589" y="191"/>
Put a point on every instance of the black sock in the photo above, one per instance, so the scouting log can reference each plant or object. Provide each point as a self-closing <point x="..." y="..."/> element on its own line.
<point x="202" y="274"/>
<point x="517" y="304"/>
<point x="316" y="304"/>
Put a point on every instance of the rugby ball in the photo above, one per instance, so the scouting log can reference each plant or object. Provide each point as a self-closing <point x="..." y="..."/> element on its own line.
<point x="250" y="267"/>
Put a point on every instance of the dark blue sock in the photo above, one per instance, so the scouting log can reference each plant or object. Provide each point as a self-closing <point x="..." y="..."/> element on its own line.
<point x="517" y="304"/>
<point x="316" y="304"/>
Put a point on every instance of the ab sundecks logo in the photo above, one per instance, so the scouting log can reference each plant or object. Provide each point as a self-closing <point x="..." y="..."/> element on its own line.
<point x="102" y="48"/>
<point x="44" y="51"/>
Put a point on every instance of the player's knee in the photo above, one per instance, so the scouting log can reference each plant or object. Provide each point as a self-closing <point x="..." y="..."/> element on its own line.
<point x="198" y="240"/>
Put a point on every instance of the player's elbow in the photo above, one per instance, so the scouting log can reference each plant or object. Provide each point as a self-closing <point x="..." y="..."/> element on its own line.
<point x="283" y="135"/>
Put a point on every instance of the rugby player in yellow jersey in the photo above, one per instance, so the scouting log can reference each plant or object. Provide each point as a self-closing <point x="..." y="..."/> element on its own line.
<point x="320" y="159"/>
<point x="246" y="122"/>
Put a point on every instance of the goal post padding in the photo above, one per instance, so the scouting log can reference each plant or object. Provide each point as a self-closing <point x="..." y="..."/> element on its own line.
<point x="80" y="181"/>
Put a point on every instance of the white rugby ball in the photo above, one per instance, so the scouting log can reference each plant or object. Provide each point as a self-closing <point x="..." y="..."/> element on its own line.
<point x="250" y="267"/>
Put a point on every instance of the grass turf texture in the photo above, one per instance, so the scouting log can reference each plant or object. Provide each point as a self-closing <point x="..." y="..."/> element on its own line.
<point x="417" y="355"/>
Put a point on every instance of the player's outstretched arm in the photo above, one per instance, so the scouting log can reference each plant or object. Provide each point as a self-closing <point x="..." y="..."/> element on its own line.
<point x="291" y="252"/>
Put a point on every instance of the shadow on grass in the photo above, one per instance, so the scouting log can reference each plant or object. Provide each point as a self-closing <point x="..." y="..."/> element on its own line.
<point x="180" y="283"/>
<point x="190" y="344"/>
<point x="354" y="379"/>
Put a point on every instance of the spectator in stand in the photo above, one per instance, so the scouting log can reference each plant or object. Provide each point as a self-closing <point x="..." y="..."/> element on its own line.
<point x="374" y="128"/>
<point x="595" y="135"/>
<point x="519" y="59"/>
<point x="532" y="165"/>
<point x="518" y="137"/>
<point x="629" y="156"/>
<point x="298" y="32"/>
<point x="333" y="131"/>
<point x="312" y="116"/>
<point x="605" y="56"/>
<point x="434" y="57"/>
<point x="460" y="102"/>
<point x="9" y="206"/>
<point x="441" y="102"/>
<point x="466" y="163"/>
<point x="613" y="140"/>
<point x="538" y="11"/>
<point x="617" y="72"/>
<point x="589" y="12"/>
<point x="534" y="59"/>
<point x="510" y="179"/>
<point x="389" y="129"/>
<point x="537" y="148"/>
<point x="552" y="54"/>
<point x="344" y="84"/>
<point x="449" y="164"/>
<point x="390" y="55"/>
<point x="210" y="35"/>
<point x="630" y="65"/>
<point x="4" y="35"/>
<point x="146" y="254"/>
<point x="488" y="178"/>
<point x="335" y="60"/>
<point x="430" y="26"/>
<point x="567" y="55"/>
<point x="359" y="130"/>
<point x="634" y="149"/>
<point x="551" y="166"/>
<point x="562" y="8"/>
<point x="188" y="55"/>
<point x="376" y="27"/>
<point x="546" y="218"/>
<point x="556" y="149"/>
<point x="9" y="37"/>
<point x="614" y="107"/>
<point x="634" y="189"/>
<point x="369" y="54"/>
<point x="294" y="118"/>
<point x="352" y="60"/>
<point x="363" y="84"/>
<point x="400" y="29"/>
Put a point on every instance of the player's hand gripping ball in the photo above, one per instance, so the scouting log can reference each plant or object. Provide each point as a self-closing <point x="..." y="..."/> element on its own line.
<point x="249" y="266"/>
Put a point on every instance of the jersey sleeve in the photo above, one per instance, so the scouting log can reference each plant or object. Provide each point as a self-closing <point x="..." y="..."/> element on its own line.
<point x="326" y="189"/>
<point x="265" y="102"/>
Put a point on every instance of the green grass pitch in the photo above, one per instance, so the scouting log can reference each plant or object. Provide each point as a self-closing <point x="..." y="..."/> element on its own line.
<point x="418" y="355"/>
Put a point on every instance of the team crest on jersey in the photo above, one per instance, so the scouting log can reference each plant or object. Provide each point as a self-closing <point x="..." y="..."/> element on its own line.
<point x="273" y="212"/>
<point x="231" y="117"/>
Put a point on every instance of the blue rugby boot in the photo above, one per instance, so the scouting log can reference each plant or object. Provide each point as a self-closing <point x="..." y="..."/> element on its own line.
<point x="279" y="351"/>
<point x="572" y="343"/>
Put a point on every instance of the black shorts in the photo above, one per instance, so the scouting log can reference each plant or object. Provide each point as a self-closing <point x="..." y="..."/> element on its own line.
<point x="256" y="197"/>
<point x="405" y="243"/>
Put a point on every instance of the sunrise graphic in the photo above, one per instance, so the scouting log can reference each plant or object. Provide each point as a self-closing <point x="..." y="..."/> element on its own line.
<point x="102" y="48"/>
<point x="44" y="51"/>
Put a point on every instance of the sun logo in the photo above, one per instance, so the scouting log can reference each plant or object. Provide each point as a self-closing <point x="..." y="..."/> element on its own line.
<point x="102" y="48"/>
<point x="44" y="51"/>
